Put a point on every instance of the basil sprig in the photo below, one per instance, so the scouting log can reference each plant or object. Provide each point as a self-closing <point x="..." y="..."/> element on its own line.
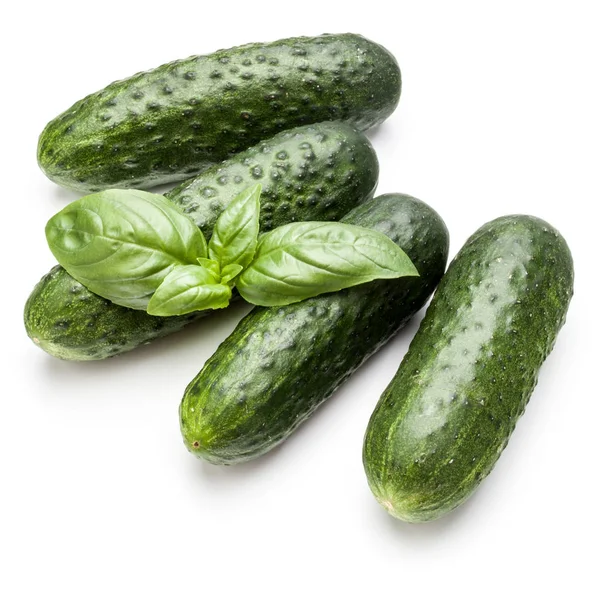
<point x="137" y="250"/>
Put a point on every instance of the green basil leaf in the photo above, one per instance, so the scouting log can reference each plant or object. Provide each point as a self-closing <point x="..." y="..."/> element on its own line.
<point x="230" y="272"/>
<point x="235" y="236"/>
<point x="121" y="244"/>
<point x="212" y="266"/>
<point x="186" y="289"/>
<point x="302" y="260"/>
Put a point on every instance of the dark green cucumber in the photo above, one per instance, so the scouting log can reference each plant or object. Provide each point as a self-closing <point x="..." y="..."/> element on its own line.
<point x="281" y="363"/>
<point x="166" y="124"/>
<point x="313" y="173"/>
<point x="443" y="421"/>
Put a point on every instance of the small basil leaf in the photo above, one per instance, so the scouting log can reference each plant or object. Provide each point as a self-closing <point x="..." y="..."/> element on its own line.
<point x="302" y="260"/>
<point x="186" y="289"/>
<point x="235" y="235"/>
<point x="121" y="244"/>
<point x="212" y="266"/>
<point x="230" y="272"/>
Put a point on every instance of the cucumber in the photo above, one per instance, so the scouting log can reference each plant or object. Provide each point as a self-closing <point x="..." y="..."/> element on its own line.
<point x="315" y="172"/>
<point x="448" y="413"/>
<point x="163" y="125"/>
<point x="281" y="363"/>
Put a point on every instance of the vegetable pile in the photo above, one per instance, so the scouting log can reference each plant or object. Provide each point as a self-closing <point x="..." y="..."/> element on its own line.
<point x="72" y="323"/>
<point x="282" y="214"/>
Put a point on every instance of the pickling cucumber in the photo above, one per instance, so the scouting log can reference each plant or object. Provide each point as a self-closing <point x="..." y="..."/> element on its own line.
<point x="281" y="363"/>
<point x="443" y="421"/>
<point x="164" y="125"/>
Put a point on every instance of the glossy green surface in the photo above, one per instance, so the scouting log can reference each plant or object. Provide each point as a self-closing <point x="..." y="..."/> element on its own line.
<point x="281" y="363"/>
<point x="169" y="123"/>
<point x="443" y="421"/>
<point x="68" y="321"/>
<point x="316" y="172"/>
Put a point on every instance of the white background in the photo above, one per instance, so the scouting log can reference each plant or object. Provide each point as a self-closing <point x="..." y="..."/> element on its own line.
<point x="499" y="114"/>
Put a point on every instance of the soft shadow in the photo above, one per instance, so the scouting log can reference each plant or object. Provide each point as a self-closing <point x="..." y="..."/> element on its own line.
<point x="62" y="196"/>
<point x="383" y="132"/>
<point x="163" y="188"/>
<point x="419" y="533"/>
<point x="233" y="476"/>
<point x="374" y="132"/>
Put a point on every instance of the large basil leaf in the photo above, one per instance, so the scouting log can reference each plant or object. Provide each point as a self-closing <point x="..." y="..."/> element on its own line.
<point x="186" y="289"/>
<point x="121" y="244"/>
<point x="302" y="260"/>
<point x="235" y="235"/>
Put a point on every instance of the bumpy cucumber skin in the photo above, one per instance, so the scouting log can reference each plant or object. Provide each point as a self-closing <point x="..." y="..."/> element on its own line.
<point x="281" y="363"/>
<point x="166" y="124"/>
<point x="315" y="172"/>
<point x="68" y="321"/>
<point x="443" y="421"/>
